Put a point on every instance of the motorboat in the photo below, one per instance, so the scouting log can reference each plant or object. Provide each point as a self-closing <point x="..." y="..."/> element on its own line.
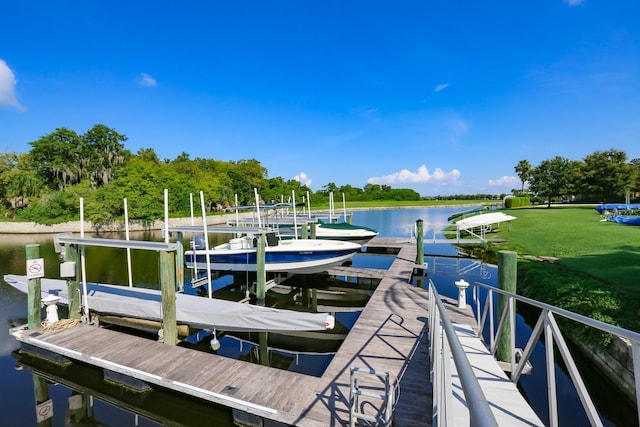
<point x="299" y="256"/>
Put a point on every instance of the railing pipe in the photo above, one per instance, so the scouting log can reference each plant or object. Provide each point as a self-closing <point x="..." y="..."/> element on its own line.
<point x="479" y="411"/>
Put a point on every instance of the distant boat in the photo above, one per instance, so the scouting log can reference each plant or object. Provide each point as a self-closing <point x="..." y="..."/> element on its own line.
<point x="300" y="256"/>
<point x="627" y="220"/>
<point x="192" y="310"/>
<point x="344" y="231"/>
<point x="467" y="212"/>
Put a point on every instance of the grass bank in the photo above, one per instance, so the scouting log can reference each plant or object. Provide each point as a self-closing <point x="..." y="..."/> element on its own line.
<point x="597" y="268"/>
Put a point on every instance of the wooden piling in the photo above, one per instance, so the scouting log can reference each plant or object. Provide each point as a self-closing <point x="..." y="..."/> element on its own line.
<point x="507" y="280"/>
<point x="34" y="299"/>
<point x="420" y="247"/>
<point x="168" y="291"/>
<point x="73" y="285"/>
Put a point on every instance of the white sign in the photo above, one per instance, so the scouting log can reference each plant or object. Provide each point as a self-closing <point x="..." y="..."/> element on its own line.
<point x="44" y="410"/>
<point x="35" y="268"/>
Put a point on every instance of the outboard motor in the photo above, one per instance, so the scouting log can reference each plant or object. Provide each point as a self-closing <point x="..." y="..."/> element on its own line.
<point x="198" y="243"/>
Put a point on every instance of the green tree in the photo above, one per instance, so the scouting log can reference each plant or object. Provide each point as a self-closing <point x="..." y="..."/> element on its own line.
<point x="552" y="178"/>
<point x="523" y="170"/>
<point x="57" y="158"/>
<point x="606" y="174"/>
<point x="101" y="153"/>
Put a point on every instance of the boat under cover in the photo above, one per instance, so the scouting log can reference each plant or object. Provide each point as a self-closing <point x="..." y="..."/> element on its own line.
<point x="195" y="311"/>
<point x="617" y="206"/>
<point x="301" y="256"/>
<point x="344" y="231"/>
<point x="627" y="220"/>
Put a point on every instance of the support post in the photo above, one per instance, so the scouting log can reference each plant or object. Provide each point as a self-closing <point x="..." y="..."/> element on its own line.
<point x="34" y="297"/>
<point x="304" y="231"/>
<point x="168" y="290"/>
<point x="507" y="281"/>
<point x="261" y="275"/>
<point x="263" y="348"/>
<point x="73" y="285"/>
<point x="313" y="230"/>
<point x="179" y="262"/>
<point x="419" y="271"/>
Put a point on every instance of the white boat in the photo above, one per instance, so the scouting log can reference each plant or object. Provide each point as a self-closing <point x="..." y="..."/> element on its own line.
<point x="192" y="310"/>
<point x="299" y="256"/>
<point x="344" y="231"/>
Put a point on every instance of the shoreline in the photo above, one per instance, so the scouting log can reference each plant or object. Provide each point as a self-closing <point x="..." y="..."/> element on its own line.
<point x="137" y="225"/>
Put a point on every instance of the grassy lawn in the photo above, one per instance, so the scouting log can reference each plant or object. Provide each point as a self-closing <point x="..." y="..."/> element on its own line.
<point x="598" y="268"/>
<point x="575" y="235"/>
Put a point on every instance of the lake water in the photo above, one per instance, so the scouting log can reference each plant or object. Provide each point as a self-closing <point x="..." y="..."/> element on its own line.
<point x="114" y="407"/>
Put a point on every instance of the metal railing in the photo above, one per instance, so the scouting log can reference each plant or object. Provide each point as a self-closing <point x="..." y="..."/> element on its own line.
<point x="445" y="345"/>
<point x="552" y="337"/>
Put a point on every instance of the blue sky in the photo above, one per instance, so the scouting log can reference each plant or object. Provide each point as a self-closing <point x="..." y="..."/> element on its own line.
<point x="443" y="97"/>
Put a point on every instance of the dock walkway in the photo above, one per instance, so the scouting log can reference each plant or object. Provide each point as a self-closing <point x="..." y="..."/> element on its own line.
<point x="389" y="336"/>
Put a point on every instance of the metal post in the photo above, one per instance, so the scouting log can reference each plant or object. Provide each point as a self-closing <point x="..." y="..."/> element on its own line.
<point x="261" y="274"/>
<point x="507" y="281"/>
<point x="179" y="262"/>
<point x="34" y="297"/>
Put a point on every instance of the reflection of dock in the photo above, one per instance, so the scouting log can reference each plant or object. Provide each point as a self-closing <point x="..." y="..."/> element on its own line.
<point x="389" y="336"/>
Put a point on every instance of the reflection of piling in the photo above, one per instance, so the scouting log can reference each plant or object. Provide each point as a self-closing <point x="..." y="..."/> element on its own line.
<point x="507" y="280"/>
<point x="33" y="296"/>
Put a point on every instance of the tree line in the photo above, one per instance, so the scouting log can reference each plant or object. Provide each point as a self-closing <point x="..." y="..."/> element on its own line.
<point x="602" y="176"/>
<point x="45" y="184"/>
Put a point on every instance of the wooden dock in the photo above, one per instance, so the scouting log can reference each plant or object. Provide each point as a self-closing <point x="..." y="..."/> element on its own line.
<point x="391" y="335"/>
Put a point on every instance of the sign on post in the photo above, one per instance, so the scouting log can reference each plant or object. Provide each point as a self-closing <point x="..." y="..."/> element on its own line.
<point x="44" y="410"/>
<point x="35" y="268"/>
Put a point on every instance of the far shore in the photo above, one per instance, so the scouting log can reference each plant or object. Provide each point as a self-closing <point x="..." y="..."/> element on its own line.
<point x="16" y="227"/>
<point x="116" y="226"/>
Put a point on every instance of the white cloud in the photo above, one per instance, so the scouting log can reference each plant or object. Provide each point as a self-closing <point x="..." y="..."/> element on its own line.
<point x="441" y="87"/>
<point x="421" y="176"/>
<point x="506" y="181"/>
<point x="303" y="179"/>
<point x="8" y="84"/>
<point x="146" y="80"/>
<point x="574" y="2"/>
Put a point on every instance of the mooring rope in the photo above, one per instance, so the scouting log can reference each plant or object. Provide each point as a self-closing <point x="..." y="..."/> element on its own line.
<point x="60" y="324"/>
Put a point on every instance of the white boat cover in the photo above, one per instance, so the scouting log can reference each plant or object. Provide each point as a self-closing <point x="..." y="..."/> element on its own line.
<point x="483" y="220"/>
<point x="195" y="311"/>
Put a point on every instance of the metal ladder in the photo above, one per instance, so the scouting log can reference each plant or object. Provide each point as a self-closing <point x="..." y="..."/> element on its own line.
<point x="384" y="416"/>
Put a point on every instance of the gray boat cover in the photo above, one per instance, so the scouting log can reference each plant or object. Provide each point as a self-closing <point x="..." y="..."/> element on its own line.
<point x="195" y="311"/>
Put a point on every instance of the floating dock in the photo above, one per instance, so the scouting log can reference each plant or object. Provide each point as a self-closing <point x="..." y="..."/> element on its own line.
<point x="390" y="336"/>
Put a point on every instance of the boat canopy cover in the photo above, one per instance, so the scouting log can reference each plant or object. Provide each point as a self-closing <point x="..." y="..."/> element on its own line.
<point x="196" y="311"/>
<point x="484" y="220"/>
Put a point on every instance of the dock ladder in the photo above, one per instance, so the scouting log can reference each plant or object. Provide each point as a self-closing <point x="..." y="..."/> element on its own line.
<point x="384" y="415"/>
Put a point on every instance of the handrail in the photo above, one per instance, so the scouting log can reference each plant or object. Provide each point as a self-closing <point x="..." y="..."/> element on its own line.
<point x="443" y="347"/>
<point x="546" y="324"/>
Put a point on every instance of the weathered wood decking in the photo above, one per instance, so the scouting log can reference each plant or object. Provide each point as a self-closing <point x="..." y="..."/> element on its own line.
<point x="389" y="336"/>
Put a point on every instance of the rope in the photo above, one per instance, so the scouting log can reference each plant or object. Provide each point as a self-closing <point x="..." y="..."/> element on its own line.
<point x="60" y="325"/>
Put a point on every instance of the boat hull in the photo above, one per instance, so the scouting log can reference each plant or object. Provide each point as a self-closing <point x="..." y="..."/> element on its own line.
<point x="306" y="256"/>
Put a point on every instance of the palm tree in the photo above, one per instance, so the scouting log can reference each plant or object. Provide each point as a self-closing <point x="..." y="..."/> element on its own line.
<point x="523" y="169"/>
